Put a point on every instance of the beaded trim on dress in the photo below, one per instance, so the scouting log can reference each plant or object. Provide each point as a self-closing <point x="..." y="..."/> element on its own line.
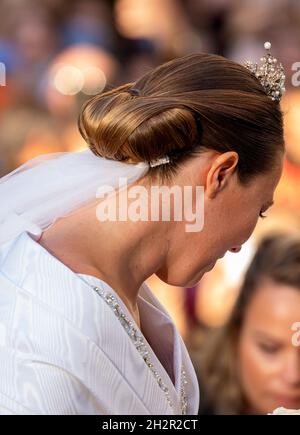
<point x="138" y="341"/>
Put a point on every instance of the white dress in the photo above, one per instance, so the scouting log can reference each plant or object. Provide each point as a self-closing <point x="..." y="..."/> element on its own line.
<point x="64" y="350"/>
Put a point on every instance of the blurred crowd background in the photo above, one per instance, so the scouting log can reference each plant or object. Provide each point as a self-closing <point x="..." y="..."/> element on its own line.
<point x="56" y="54"/>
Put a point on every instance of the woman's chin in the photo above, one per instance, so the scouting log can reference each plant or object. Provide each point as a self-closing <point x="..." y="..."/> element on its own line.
<point x="203" y="271"/>
<point x="199" y="276"/>
<point x="192" y="282"/>
<point x="210" y="266"/>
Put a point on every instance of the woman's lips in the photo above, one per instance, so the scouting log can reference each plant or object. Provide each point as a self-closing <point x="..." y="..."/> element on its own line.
<point x="287" y="401"/>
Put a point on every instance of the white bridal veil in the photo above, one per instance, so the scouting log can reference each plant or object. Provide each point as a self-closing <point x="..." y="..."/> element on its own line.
<point x="53" y="185"/>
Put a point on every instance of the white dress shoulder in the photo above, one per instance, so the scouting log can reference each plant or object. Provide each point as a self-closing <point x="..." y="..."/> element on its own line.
<point x="67" y="348"/>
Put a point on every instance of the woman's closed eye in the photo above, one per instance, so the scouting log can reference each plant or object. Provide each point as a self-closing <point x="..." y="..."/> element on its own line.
<point x="262" y="215"/>
<point x="269" y="348"/>
<point x="264" y="209"/>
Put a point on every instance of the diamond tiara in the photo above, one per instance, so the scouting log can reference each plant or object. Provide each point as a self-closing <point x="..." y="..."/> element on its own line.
<point x="270" y="74"/>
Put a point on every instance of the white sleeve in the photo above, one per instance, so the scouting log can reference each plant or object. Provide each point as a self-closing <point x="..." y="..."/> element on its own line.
<point x="9" y="406"/>
<point x="48" y="389"/>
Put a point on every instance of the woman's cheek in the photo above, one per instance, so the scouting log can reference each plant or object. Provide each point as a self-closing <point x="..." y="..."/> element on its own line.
<point x="249" y="228"/>
<point x="254" y="372"/>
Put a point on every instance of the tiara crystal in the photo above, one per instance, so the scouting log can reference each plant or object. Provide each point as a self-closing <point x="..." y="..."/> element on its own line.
<point x="270" y="74"/>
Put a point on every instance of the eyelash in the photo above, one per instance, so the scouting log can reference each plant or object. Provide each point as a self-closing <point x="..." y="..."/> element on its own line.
<point x="268" y="349"/>
<point x="262" y="215"/>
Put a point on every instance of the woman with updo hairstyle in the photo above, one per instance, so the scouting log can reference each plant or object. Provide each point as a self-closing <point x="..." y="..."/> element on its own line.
<point x="82" y="332"/>
<point x="251" y="365"/>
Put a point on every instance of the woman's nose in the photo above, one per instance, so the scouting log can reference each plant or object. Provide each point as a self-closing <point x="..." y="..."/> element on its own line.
<point x="235" y="249"/>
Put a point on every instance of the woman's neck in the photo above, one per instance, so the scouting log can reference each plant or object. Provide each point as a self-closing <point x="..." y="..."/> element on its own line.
<point x="123" y="254"/>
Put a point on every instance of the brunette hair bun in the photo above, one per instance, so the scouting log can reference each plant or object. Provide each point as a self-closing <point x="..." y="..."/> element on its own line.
<point x="182" y="107"/>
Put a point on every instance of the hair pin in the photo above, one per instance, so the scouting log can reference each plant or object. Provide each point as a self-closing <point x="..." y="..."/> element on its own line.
<point x="160" y="161"/>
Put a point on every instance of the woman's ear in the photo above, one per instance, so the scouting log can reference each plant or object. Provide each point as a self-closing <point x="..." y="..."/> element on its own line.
<point x="220" y="172"/>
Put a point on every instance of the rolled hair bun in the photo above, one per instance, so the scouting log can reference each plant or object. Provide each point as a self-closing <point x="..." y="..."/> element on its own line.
<point x="185" y="106"/>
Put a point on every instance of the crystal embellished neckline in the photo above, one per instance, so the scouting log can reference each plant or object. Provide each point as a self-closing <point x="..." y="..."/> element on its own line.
<point x="139" y="342"/>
